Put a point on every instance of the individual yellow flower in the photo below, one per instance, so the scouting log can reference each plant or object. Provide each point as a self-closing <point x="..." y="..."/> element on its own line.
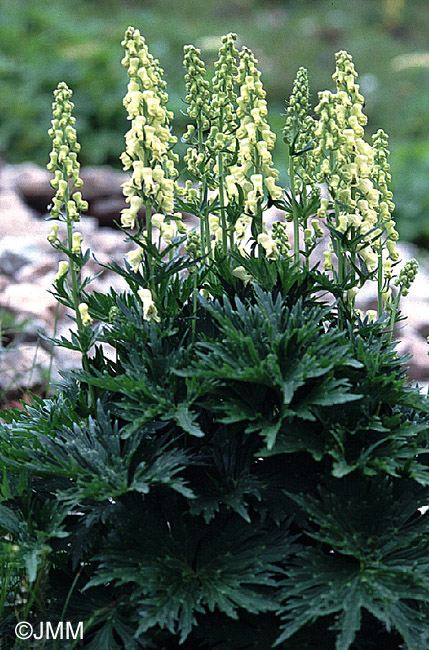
<point x="63" y="268"/>
<point x="86" y="318"/>
<point x="76" y="243"/>
<point x="135" y="258"/>
<point x="53" y="236"/>
<point x="150" y="311"/>
<point x="168" y="231"/>
<point x="372" y="315"/>
<point x="268" y="244"/>
<point x="327" y="264"/>
<point x="157" y="220"/>
<point x="241" y="273"/>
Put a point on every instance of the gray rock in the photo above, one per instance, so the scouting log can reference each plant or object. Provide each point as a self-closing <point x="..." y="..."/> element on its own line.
<point x="27" y="299"/>
<point x="16" y="252"/>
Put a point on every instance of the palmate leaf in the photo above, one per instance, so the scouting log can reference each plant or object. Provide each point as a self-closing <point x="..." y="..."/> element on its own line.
<point x="195" y="569"/>
<point x="102" y="465"/>
<point x="295" y="436"/>
<point x="378" y="559"/>
<point x="226" y="478"/>
<point x="318" y="585"/>
<point x="366" y="517"/>
<point x="270" y="363"/>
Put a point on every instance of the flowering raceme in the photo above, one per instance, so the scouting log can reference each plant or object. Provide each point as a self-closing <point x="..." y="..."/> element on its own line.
<point x="67" y="205"/>
<point x="253" y="172"/>
<point x="357" y="176"/>
<point x="149" y="141"/>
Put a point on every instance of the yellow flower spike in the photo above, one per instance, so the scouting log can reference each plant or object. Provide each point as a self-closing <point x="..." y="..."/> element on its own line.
<point x="86" y="318"/>
<point x="63" y="157"/>
<point x="149" y="138"/>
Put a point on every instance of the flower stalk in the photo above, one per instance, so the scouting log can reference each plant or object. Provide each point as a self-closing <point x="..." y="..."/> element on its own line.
<point x="68" y="205"/>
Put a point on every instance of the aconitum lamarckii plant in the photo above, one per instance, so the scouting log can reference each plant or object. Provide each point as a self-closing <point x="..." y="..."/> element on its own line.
<point x="239" y="464"/>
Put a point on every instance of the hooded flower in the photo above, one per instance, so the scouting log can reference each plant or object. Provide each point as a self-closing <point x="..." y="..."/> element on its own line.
<point x="150" y="311"/>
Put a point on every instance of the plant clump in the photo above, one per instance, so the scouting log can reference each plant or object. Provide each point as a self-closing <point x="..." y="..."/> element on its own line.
<point x="239" y="463"/>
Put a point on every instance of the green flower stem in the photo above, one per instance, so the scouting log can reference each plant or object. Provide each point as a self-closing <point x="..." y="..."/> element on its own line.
<point x="76" y="300"/>
<point x="341" y="265"/>
<point x="194" y="308"/>
<point x="51" y="353"/>
<point x="353" y="264"/>
<point x="148" y="207"/>
<point x="294" y="209"/>
<point x="393" y="314"/>
<point x="258" y="217"/>
<point x="204" y="218"/>
<point x="222" y="202"/>
<point x="380" y="279"/>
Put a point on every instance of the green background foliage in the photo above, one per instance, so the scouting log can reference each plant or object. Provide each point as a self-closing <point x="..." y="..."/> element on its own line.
<point x="78" y="42"/>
